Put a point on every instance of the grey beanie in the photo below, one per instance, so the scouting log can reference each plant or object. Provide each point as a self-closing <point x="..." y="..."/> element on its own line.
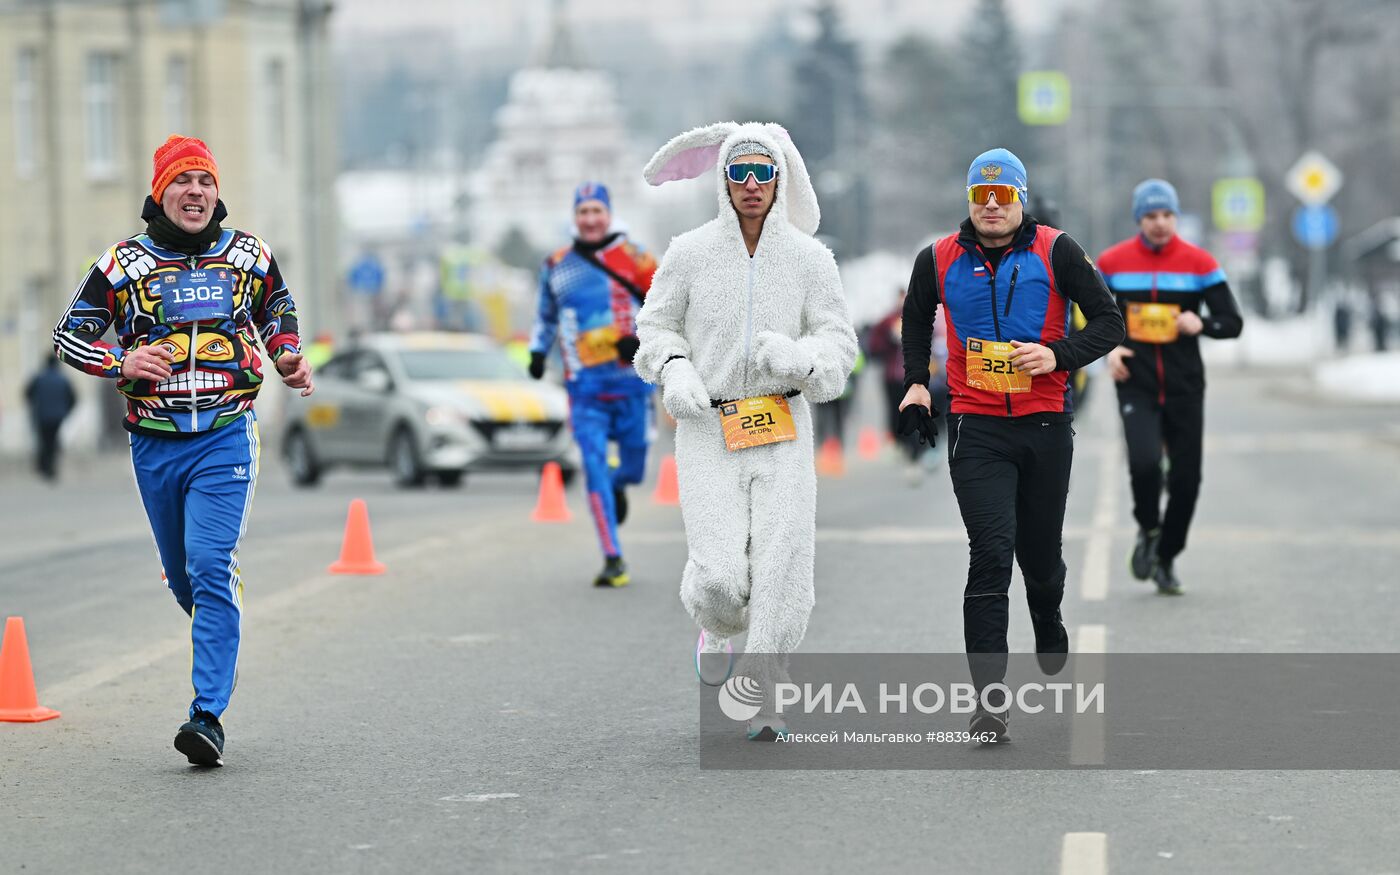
<point x="749" y="147"/>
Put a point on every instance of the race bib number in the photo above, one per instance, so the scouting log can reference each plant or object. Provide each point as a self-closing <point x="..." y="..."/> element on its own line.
<point x="755" y="422"/>
<point x="195" y="296"/>
<point x="989" y="367"/>
<point x="1153" y="323"/>
<point x="598" y="346"/>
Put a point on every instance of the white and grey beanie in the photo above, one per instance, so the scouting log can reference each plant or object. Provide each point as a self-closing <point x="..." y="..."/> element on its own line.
<point x="749" y="147"/>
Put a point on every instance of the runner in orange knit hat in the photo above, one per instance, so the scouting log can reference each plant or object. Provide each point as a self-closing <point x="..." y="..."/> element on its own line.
<point x="178" y="155"/>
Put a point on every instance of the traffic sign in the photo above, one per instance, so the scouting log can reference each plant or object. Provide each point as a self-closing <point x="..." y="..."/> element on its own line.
<point x="1313" y="179"/>
<point x="1240" y="242"/>
<point x="1315" y="226"/>
<point x="1043" y="97"/>
<point x="367" y="275"/>
<point x="1237" y="204"/>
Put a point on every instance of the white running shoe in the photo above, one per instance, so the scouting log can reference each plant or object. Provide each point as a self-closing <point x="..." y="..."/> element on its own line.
<point x="714" y="659"/>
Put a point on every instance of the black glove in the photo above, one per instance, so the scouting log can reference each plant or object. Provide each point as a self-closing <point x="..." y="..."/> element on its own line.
<point x="537" y="365"/>
<point x="627" y="346"/>
<point x="915" y="420"/>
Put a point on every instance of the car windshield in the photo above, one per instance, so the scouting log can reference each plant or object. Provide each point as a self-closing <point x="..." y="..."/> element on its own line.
<point x="459" y="364"/>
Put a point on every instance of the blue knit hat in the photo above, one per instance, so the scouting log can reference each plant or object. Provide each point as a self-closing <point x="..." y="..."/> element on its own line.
<point x="592" y="191"/>
<point x="1154" y="194"/>
<point x="998" y="166"/>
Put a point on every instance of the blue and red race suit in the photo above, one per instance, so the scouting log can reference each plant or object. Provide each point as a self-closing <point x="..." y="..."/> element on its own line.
<point x="1021" y="292"/>
<point x="588" y="310"/>
<point x="1176" y="273"/>
<point x="1010" y="453"/>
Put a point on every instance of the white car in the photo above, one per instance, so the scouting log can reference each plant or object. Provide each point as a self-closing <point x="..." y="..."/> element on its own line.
<point x="426" y="405"/>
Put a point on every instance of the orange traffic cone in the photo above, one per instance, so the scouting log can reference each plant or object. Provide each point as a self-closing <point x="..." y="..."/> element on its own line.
<point x="19" y="703"/>
<point x="357" y="550"/>
<point x="830" y="461"/>
<point x="551" y="507"/>
<point x="668" y="490"/>
<point x="869" y="445"/>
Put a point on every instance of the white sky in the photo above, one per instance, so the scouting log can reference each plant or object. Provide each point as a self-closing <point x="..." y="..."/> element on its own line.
<point x="490" y="22"/>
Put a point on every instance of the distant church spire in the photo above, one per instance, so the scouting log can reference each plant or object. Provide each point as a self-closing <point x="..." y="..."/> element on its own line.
<point x="559" y="50"/>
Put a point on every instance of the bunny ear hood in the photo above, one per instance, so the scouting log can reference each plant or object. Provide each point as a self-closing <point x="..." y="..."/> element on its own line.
<point x="799" y="197"/>
<point x="690" y="154"/>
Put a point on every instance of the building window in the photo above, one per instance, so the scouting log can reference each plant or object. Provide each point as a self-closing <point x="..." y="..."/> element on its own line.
<point x="177" y="95"/>
<point x="101" y="136"/>
<point x="26" y="112"/>
<point x="276" y="103"/>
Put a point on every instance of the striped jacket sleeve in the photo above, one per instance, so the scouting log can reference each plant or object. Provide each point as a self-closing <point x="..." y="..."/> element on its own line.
<point x="77" y="337"/>
<point x="275" y="313"/>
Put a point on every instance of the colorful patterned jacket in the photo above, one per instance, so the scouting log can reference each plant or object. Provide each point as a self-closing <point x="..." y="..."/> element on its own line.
<point x="216" y="369"/>
<point x="587" y="311"/>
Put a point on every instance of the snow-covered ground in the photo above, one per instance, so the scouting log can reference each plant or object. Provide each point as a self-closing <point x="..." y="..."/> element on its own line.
<point x="1306" y="342"/>
<point x="1369" y="377"/>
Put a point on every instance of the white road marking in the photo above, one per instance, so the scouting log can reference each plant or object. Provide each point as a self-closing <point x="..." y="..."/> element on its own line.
<point x="474" y="638"/>
<point x="1093" y="585"/>
<point x="1340" y="442"/>
<point x="1087" y="731"/>
<point x="915" y="536"/>
<point x="274" y="604"/>
<point x="1084" y="853"/>
<point x="1309" y="537"/>
<point x="1091" y="639"/>
<point x="479" y="797"/>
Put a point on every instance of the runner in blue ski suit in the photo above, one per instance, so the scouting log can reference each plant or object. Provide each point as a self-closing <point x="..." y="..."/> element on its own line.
<point x="589" y="296"/>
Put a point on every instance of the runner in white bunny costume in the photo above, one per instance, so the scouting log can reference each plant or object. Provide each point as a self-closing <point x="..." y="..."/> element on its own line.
<point x="747" y="305"/>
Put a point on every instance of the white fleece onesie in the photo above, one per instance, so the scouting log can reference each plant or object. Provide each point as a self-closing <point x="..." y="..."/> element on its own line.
<point x="746" y="326"/>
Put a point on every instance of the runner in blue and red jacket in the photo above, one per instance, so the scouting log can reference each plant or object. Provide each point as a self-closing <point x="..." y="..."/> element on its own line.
<point x="1164" y="286"/>
<point x="1006" y="285"/>
<point x="590" y="293"/>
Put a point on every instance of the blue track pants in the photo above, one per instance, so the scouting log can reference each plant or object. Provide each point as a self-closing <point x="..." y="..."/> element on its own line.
<point x="197" y="492"/>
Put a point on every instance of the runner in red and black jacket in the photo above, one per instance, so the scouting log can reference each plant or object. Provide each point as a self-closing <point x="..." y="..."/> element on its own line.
<point x="1006" y="285"/>
<point x="1171" y="293"/>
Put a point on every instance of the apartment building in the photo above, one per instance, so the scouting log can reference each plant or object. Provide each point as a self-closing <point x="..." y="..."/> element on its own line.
<point x="88" y="89"/>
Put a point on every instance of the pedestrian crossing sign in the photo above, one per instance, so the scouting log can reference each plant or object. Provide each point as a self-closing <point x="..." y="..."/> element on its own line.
<point x="1237" y="204"/>
<point x="1043" y="97"/>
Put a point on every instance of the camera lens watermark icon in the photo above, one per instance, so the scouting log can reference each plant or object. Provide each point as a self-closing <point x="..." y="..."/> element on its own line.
<point x="740" y="698"/>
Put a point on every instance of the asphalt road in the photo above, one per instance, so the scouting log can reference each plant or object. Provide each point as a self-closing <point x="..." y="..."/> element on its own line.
<point x="482" y="708"/>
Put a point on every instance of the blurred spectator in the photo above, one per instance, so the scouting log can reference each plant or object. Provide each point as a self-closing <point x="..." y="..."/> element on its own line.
<point x="885" y="347"/>
<point x="831" y="416"/>
<point x="321" y="349"/>
<point x="50" y="400"/>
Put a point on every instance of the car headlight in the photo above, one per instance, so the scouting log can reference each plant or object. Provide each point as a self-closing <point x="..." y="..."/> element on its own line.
<point x="440" y="415"/>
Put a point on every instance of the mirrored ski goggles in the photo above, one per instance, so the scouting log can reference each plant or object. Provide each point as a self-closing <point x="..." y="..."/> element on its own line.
<point x="762" y="173"/>
<point x="1005" y="194"/>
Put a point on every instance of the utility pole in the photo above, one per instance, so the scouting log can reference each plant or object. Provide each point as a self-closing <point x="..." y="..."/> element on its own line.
<point x="50" y="102"/>
<point x="136" y="82"/>
<point x="317" y="177"/>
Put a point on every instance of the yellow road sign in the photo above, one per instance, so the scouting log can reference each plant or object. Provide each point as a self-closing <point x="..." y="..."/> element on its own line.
<point x="1313" y="179"/>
